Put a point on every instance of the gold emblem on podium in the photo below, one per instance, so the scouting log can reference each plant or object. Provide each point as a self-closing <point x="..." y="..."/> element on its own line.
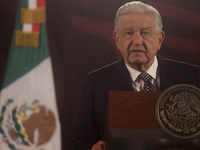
<point x="178" y="111"/>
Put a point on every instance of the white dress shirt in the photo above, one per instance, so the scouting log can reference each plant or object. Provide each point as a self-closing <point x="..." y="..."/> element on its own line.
<point x="138" y="83"/>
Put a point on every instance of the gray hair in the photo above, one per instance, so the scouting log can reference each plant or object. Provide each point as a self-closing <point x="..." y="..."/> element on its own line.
<point x="138" y="7"/>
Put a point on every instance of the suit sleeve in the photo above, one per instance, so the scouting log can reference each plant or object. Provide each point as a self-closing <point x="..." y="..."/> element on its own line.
<point x="87" y="131"/>
<point x="198" y="77"/>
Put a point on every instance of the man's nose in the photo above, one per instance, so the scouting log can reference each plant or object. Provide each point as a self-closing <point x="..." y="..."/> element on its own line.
<point x="137" y="39"/>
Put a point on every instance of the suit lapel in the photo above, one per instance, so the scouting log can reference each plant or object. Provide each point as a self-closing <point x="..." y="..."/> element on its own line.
<point x="167" y="76"/>
<point x="123" y="78"/>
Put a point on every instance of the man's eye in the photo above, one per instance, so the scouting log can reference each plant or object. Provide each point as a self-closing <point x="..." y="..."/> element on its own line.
<point x="128" y="34"/>
<point x="145" y="34"/>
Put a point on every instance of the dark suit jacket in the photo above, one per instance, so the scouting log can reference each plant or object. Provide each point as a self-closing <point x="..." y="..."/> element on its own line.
<point x="92" y="117"/>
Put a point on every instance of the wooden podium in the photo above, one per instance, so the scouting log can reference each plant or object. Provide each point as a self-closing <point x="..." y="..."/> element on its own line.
<point x="133" y="125"/>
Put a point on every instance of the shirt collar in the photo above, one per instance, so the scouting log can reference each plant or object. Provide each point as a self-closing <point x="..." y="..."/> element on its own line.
<point x="151" y="71"/>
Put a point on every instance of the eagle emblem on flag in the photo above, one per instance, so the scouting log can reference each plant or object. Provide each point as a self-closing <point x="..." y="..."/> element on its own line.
<point x="26" y="125"/>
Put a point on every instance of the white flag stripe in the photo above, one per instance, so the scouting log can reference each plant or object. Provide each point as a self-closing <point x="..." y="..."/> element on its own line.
<point x="32" y="4"/>
<point x="33" y="86"/>
<point x="27" y="27"/>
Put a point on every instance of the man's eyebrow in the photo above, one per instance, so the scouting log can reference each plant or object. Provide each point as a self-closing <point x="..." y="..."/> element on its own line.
<point x="146" y="28"/>
<point x="143" y="28"/>
<point x="128" y="28"/>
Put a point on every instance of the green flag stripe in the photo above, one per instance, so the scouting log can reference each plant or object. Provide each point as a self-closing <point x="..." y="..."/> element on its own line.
<point x="21" y="4"/>
<point x="23" y="59"/>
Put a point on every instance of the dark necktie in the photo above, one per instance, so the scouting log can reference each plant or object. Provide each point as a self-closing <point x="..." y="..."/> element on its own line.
<point x="148" y="86"/>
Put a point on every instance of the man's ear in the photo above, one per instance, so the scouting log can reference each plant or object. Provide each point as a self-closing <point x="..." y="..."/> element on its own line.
<point x="116" y="37"/>
<point x="161" y="37"/>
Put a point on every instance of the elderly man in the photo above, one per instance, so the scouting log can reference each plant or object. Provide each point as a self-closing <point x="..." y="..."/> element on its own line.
<point x="138" y="35"/>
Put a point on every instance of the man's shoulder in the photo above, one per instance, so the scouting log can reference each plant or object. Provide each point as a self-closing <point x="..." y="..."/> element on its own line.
<point x="180" y="63"/>
<point x="175" y="63"/>
<point x="106" y="69"/>
<point x="114" y="69"/>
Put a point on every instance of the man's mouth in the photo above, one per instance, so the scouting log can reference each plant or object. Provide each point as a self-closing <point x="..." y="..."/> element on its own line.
<point x="141" y="51"/>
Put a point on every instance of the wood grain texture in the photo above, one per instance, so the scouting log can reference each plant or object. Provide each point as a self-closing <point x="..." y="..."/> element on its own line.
<point x="128" y="109"/>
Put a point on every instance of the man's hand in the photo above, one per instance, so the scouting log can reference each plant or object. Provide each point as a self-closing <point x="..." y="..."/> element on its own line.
<point x="100" y="145"/>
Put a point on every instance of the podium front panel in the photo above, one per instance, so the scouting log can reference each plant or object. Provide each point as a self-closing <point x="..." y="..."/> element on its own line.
<point x="133" y="125"/>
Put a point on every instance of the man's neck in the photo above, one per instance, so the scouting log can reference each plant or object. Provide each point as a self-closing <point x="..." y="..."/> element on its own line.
<point x="141" y="67"/>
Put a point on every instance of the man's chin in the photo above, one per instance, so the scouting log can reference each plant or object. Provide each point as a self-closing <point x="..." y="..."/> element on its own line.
<point x="136" y="64"/>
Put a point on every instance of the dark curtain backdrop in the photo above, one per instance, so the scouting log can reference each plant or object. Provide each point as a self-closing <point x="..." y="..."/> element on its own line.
<point x="80" y="40"/>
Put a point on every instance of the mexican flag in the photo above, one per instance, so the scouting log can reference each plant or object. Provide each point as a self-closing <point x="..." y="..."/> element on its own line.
<point x="28" y="112"/>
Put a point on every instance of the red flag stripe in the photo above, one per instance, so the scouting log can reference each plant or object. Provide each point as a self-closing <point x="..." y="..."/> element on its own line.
<point x="36" y="28"/>
<point x="41" y="3"/>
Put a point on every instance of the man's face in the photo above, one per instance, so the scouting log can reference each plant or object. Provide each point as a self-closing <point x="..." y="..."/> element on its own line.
<point x="138" y="39"/>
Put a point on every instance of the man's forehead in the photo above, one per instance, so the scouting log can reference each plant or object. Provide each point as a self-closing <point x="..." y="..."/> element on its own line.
<point x="139" y="14"/>
<point x="137" y="18"/>
<point x="141" y="20"/>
